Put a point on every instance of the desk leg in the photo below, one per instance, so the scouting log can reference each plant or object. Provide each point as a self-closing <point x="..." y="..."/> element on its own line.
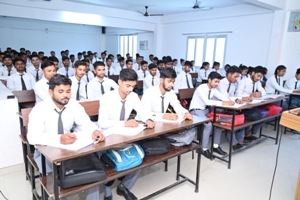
<point x="230" y="142"/>
<point x="277" y="133"/>
<point x="55" y="181"/>
<point x="213" y="134"/>
<point x="200" y="133"/>
<point x="43" y="174"/>
<point x="178" y="167"/>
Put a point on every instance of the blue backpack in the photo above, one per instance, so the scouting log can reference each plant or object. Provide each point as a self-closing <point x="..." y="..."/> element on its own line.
<point x="127" y="158"/>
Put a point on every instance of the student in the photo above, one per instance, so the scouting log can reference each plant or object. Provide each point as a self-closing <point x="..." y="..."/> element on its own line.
<point x="193" y="69"/>
<point x="184" y="79"/>
<point x="23" y="56"/>
<point x="51" y="121"/>
<point x="264" y="78"/>
<point x="137" y="65"/>
<point x="151" y="79"/>
<point x="52" y="53"/>
<point x="100" y="84"/>
<point x="203" y="73"/>
<point x="42" y="86"/>
<point x="63" y="54"/>
<point x="66" y="70"/>
<point x="155" y="59"/>
<point x="294" y="84"/>
<point x="103" y="56"/>
<point x="151" y="57"/>
<point x="41" y="55"/>
<point x="274" y="85"/>
<point x="72" y="61"/>
<point x="129" y="64"/>
<point x="8" y="68"/>
<point x="244" y="71"/>
<point x="120" y="65"/>
<point x="216" y="68"/>
<point x="226" y="67"/>
<point x="35" y="70"/>
<point x="78" y="91"/>
<point x="20" y="80"/>
<point x="115" y="109"/>
<point x="109" y="70"/>
<point x="79" y="56"/>
<point x="142" y="73"/>
<point x="157" y="99"/>
<point x="95" y="58"/>
<point x="88" y="76"/>
<point x="55" y="61"/>
<point x="168" y="62"/>
<point x="200" y="106"/>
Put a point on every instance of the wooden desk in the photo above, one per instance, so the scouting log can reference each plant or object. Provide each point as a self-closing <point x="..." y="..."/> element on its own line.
<point x="56" y="155"/>
<point x="233" y="128"/>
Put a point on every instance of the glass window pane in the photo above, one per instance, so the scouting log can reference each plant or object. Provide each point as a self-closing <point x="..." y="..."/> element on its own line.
<point x="199" y="52"/>
<point x="126" y="43"/>
<point x="121" y="44"/>
<point x="220" y="50"/>
<point x="191" y="49"/>
<point x="209" y="53"/>
<point x="134" y="46"/>
<point x="130" y="43"/>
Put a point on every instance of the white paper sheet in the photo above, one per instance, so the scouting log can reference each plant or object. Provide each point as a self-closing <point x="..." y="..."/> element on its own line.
<point x="160" y="119"/>
<point x="123" y="131"/>
<point x="268" y="96"/>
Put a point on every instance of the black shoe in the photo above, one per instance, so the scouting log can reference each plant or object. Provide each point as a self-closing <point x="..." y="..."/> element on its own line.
<point x="218" y="150"/>
<point x="108" y="198"/>
<point x="207" y="154"/>
<point x="251" y="138"/>
<point x="246" y="142"/>
<point x="238" y="146"/>
<point x="123" y="191"/>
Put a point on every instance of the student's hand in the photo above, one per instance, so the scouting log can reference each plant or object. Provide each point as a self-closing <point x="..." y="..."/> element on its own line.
<point x="256" y="94"/>
<point x="239" y="101"/>
<point x="68" y="138"/>
<point x="170" y="116"/>
<point x="188" y="116"/>
<point x="150" y="124"/>
<point x="247" y="99"/>
<point x="227" y="103"/>
<point x="98" y="136"/>
<point x="296" y="91"/>
<point x="131" y="123"/>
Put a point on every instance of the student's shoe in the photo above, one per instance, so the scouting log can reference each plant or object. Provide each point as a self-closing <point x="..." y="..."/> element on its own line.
<point x="238" y="146"/>
<point x="123" y="191"/>
<point x="108" y="198"/>
<point x="246" y="142"/>
<point x="207" y="154"/>
<point x="251" y="138"/>
<point x="218" y="150"/>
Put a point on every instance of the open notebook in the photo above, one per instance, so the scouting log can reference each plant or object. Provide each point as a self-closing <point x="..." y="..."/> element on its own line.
<point x="160" y="119"/>
<point x="123" y="131"/>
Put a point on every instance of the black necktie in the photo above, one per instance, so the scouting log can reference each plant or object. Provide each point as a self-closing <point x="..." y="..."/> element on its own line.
<point x="37" y="75"/>
<point x="241" y="77"/>
<point x="77" y="94"/>
<point x="102" y="88"/>
<point x="187" y="81"/>
<point x="9" y="72"/>
<point x="228" y="89"/>
<point x="144" y="74"/>
<point x="108" y="73"/>
<point x="209" y="94"/>
<point x="67" y="75"/>
<point x="205" y="74"/>
<point x="153" y="81"/>
<point x="296" y="85"/>
<point x="162" y="104"/>
<point x="23" y="83"/>
<point x="60" y="127"/>
<point x="278" y="81"/>
<point x="253" y="89"/>
<point x="87" y="77"/>
<point x="122" y="114"/>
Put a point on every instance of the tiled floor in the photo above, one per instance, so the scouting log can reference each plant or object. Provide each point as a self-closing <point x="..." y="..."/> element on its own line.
<point x="248" y="179"/>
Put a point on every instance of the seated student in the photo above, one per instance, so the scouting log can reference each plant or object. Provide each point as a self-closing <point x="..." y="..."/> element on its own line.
<point x="115" y="109"/>
<point x="157" y="99"/>
<point x="226" y="67"/>
<point x="184" y="79"/>
<point x="151" y="79"/>
<point x="200" y="106"/>
<point x="42" y="86"/>
<point x="66" y="70"/>
<point x="20" y="80"/>
<point x="100" y="84"/>
<point x="244" y="71"/>
<point x="54" y="60"/>
<point x="274" y="85"/>
<point x="78" y="91"/>
<point x="8" y="68"/>
<point x="294" y="84"/>
<point x="121" y="65"/>
<point x="264" y="79"/>
<point x="109" y="70"/>
<point x="203" y="73"/>
<point x="168" y="62"/>
<point x="72" y="60"/>
<point x="129" y="64"/>
<point x="193" y="68"/>
<point x="35" y="69"/>
<point x="160" y="65"/>
<point x="216" y="68"/>
<point x="51" y="121"/>
<point x="142" y="73"/>
<point x="88" y="76"/>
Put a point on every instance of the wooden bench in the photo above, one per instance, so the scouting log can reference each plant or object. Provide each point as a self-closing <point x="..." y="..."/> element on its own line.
<point x="186" y="93"/>
<point x="114" y="77"/>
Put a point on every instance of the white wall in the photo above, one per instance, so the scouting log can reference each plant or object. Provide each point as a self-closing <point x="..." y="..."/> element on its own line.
<point x="112" y="44"/>
<point x="151" y="47"/>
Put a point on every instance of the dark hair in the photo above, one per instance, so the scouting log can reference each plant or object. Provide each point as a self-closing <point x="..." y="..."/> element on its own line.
<point x="159" y="62"/>
<point x="174" y="60"/>
<point x="259" y="69"/>
<point x="22" y="54"/>
<point x="298" y="71"/>
<point x="233" y="69"/>
<point x="65" y="58"/>
<point x="72" y="56"/>
<point x="7" y="56"/>
<point x="62" y="52"/>
<point x="279" y="68"/>
<point x="28" y="51"/>
<point x="98" y="63"/>
<point x="203" y="64"/>
<point x="227" y="65"/>
<point x="168" y="73"/>
<point x="18" y="59"/>
<point x="167" y="59"/>
<point x="22" y="48"/>
<point x="41" y="52"/>
<point x="214" y="75"/>
<point x="188" y="63"/>
<point x="53" y="59"/>
<point x="250" y="69"/>
<point x="34" y="53"/>
<point x="155" y="58"/>
<point x="34" y="56"/>
<point x="215" y="64"/>
<point x="243" y="67"/>
<point x="128" y="75"/>
<point x="59" y="79"/>
<point x="181" y="60"/>
<point x="52" y="52"/>
<point x="144" y="62"/>
<point x="108" y="58"/>
<point x="78" y="63"/>
<point x="152" y="66"/>
<point x="128" y="61"/>
<point x="47" y="63"/>
<point x="150" y="55"/>
<point x="121" y="59"/>
<point x="103" y="53"/>
<point x="79" y="54"/>
<point x="44" y="58"/>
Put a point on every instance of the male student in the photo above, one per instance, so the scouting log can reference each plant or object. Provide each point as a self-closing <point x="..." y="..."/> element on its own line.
<point x="115" y="109"/>
<point x="55" y="61"/>
<point x="120" y="65"/>
<point x="109" y="68"/>
<point x="20" y="80"/>
<point x="51" y="121"/>
<point x="72" y="61"/>
<point x="151" y="79"/>
<point x="100" y="84"/>
<point x="103" y="56"/>
<point x="78" y="91"/>
<point x="8" y="68"/>
<point x="42" y="86"/>
<point x="294" y="84"/>
<point x="142" y="73"/>
<point x="79" y="56"/>
<point x="168" y="62"/>
<point x="88" y="76"/>
<point x="137" y="65"/>
<point x="129" y="64"/>
<point x="216" y="68"/>
<point x="200" y="106"/>
<point x="184" y="79"/>
<point x="66" y="70"/>
<point x="35" y="69"/>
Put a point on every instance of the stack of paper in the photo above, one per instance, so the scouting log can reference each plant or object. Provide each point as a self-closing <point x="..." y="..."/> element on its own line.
<point x="127" y="131"/>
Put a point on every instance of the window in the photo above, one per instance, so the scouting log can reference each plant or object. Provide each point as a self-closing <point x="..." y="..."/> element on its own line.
<point x="206" y="48"/>
<point x="128" y="44"/>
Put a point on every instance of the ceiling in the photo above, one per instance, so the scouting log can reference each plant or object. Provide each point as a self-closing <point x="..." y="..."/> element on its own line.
<point x="160" y="6"/>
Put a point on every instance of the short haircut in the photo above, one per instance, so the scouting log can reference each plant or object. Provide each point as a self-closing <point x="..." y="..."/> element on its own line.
<point x="243" y="67"/>
<point x="53" y="59"/>
<point x="128" y="61"/>
<point x="259" y="69"/>
<point x="159" y="62"/>
<point x="152" y="66"/>
<point x="18" y="59"/>
<point x="215" y="64"/>
<point x="214" y="75"/>
<point x="298" y="71"/>
<point x="72" y="56"/>
<point x="85" y="60"/>
<point x="250" y="69"/>
<point x="65" y="58"/>
<point x="34" y="56"/>
<point x="79" y="54"/>
<point x="103" y="53"/>
<point x="174" y="60"/>
<point x="279" y="68"/>
<point x="181" y="60"/>
<point x="155" y="58"/>
<point x="41" y="52"/>
<point x="62" y="52"/>
<point x="98" y="63"/>
<point x="188" y="63"/>
<point x="78" y="63"/>
<point x="144" y="62"/>
<point x="27" y="51"/>
<point x="7" y="56"/>
<point x="22" y="54"/>
<point x="47" y="63"/>
<point x="108" y="59"/>
<point x="168" y="73"/>
<point x="121" y="59"/>
<point x="57" y="80"/>
<point x="22" y="48"/>
<point x="128" y="75"/>
<point x="233" y="69"/>
<point x="44" y="58"/>
<point x="150" y="55"/>
<point x="167" y="59"/>
<point x="227" y="65"/>
<point x="52" y="52"/>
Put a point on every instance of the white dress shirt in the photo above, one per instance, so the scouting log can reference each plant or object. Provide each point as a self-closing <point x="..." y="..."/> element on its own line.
<point x="112" y="71"/>
<point x="152" y="102"/>
<point x="32" y="70"/>
<point x="136" y="67"/>
<point x="14" y="82"/>
<point x="43" y="121"/>
<point x="291" y="84"/>
<point x="118" y="68"/>
<point x="203" y="75"/>
<point x="142" y="74"/>
<point x="272" y="86"/>
<point x="91" y="67"/>
<point x="221" y="71"/>
<point x="148" y="81"/>
<point x="95" y="59"/>
<point x="94" y="87"/>
<point x="4" y="72"/>
<point x="225" y="86"/>
<point x="245" y="87"/>
<point x="200" y="98"/>
<point x="111" y="105"/>
<point x="71" y="65"/>
<point x="181" y="83"/>
<point x="41" y="90"/>
<point x="74" y="88"/>
<point x="63" y="71"/>
<point x="89" y="75"/>
<point x="178" y="69"/>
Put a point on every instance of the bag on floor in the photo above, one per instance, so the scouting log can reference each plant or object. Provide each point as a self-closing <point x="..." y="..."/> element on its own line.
<point x="263" y="112"/>
<point x="183" y="138"/>
<point x="273" y="109"/>
<point x="81" y="170"/>
<point x="155" y="146"/>
<point x="127" y="158"/>
<point x="251" y="114"/>
<point x="226" y="119"/>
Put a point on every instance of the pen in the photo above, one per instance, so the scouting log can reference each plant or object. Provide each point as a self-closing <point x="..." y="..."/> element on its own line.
<point x="95" y="142"/>
<point x="170" y="110"/>
<point x="140" y="122"/>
